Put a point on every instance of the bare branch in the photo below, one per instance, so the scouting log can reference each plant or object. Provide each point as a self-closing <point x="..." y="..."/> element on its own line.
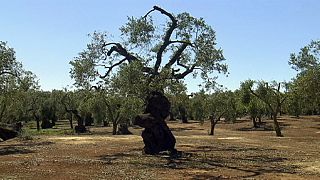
<point x="186" y="72"/>
<point x="182" y="65"/>
<point x="176" y="55"/>
<point x="182" y="42"/>
<point x="111" y="67"/>
<point x="121" y="50"/>
<point x="166" y="39"/>
<point x="117" y="47"/>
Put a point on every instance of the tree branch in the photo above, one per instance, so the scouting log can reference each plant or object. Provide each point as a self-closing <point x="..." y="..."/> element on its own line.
<point x="176" y="55"/>
<point x="121" y="50"/>
<point x="111" y="67"/>
<point x="117" y="47"/>
<point x="265" y="101"/>
<point x="166" y="39"/>
<point x="185" y="73"/>
<point x="8" y="72"/>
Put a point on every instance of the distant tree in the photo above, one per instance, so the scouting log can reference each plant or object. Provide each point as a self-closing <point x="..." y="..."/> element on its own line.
<point x="306" y="84"/>
<point x="180" y="102"/>
<point x="98" y="109"/>
<point x="220" y="104"/>
<point x="73" y="103"/>
<point x="307" y="58"/>
<point x="271" y="95"/>
<point x="199" y="106"/>
<point x="253" y="105"/>
<point x="8" y="63"/>
<point x="15" y="84"/>
<point x="295" y="102"/>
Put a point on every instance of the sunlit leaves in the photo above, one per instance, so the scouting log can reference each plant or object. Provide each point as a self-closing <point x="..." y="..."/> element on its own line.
<point x="307" y="58"/>
<point x="138" y="31"/>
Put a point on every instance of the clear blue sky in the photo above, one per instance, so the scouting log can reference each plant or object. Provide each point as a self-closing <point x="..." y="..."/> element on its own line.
<point x="257" y="36"/>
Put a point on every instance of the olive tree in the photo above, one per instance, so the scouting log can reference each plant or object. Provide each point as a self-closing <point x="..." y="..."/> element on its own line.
<point x="15" y="86"/>
<point x="306" y="85"/>
<point x="272" y="96"/>
<point x="151" y="54"/>
<point x="253" y="105"/>
<point x="220" y="104"/>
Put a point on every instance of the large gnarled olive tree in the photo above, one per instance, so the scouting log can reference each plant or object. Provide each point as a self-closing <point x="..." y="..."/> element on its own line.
<point x="149" y="57"/>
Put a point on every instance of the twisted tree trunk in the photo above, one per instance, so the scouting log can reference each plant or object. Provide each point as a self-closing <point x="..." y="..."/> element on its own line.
<point x="157" y="136"/>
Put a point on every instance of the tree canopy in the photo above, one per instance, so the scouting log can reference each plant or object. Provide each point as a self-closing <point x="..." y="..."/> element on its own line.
<point x="181" y="45"/>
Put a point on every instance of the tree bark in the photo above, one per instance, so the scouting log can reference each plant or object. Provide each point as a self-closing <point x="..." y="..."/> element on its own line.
<point x="183" y="114"/>
<point x="156" y="136"/>
<point x="213" y="124"/>
<point x="70" y="120"/>
<point x="276" y="126"/>
<point x="6" y="134"/>
<point x="254" y="122"/>
<point x="37" y="118"/>
<point x="114" y="128"/>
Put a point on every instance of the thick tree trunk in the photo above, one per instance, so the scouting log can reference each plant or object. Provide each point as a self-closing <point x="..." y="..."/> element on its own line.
<point x="105" y="123"/>
<point x="259" y="120"/>
<point x="183" y="114"/>
<point x="254" y="122"/>
<point x="2" y="111"/>
<point x="114" y="128"/>
<point x="37" y="118"/>
<point x="70" y="120"/>
<point x="80" y="128"/>
<point x="276" y="126"/>
<point x="213" y="124"/>
<point x="172" y="118"/>
<point x="157" y="136"/>
<point x="123" y="130"/>
<point x="6" y="134"/>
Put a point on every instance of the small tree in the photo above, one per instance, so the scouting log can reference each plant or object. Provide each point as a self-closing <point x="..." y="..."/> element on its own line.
<point x="220" y="104"/>
<point x="270" y="94"/>
<point x="254" y="107"/>
<point x="71" y="102"/>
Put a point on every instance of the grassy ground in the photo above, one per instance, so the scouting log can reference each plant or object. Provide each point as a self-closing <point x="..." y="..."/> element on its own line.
<point x="235" y="152"/>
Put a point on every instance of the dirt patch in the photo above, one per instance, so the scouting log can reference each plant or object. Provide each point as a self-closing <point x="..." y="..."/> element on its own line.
<point x="230" y="154"/>
<point x="92" y="139"/>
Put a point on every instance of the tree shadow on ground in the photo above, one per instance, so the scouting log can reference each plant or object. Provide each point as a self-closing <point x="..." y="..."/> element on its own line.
<point x="185" y="129"/>
<point x="21" y="148"/>
<point x="208" y="159"/>
<point x="14" y="150"/>
<point x="261" y="128"/>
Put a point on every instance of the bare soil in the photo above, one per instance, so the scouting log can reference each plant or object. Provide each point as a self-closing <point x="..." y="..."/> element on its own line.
<point x="236" y="151"/>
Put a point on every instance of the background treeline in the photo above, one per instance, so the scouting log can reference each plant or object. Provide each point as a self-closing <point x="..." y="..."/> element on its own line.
<point x="21" y="99"/>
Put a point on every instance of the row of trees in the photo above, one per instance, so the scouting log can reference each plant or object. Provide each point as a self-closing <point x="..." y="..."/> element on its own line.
<point x="21" y="99"/>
